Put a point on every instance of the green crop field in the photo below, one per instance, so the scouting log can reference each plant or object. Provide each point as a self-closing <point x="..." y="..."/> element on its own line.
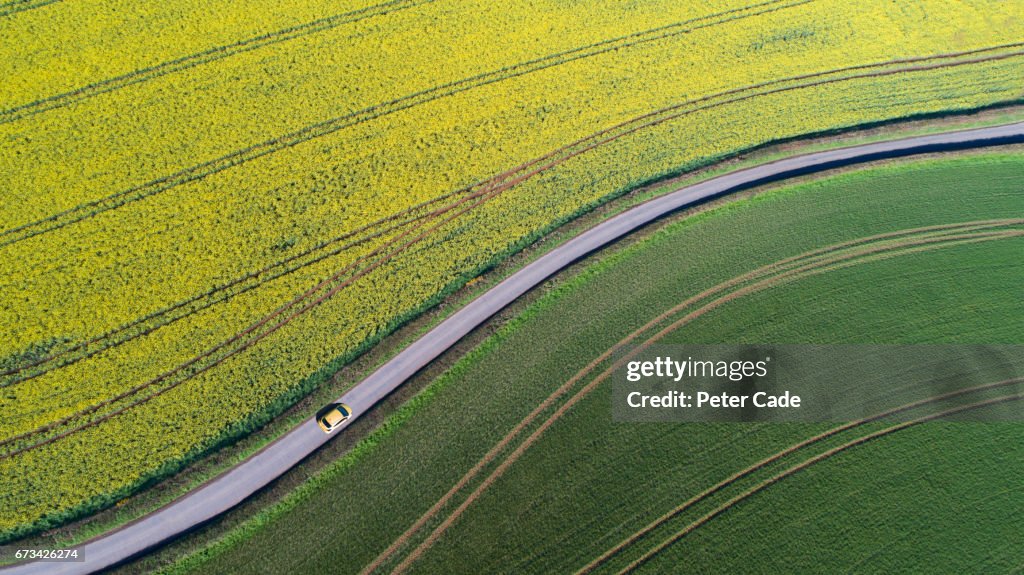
<point x="439" y="490"/>
<point x="938" y="495"/>
<point x="210" y="208"/>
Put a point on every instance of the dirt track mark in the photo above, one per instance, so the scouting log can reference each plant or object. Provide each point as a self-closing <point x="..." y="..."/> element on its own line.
<point x="544" y="405"/>
<point x="804" y="465"/>
<point x="197" y="172"/>
<point x="11" y="8"/>
<point x="732" y="479"/>
<point x="804" y="271"/>
<point x="71" y="97"/>
<point x="485" y="194"/>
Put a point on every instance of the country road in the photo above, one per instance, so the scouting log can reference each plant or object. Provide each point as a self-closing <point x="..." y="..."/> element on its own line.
<point x="224" y="492"/>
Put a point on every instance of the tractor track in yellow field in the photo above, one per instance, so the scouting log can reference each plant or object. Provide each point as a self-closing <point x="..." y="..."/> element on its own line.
<point x="71" y="97"/>
<point x="197" y="172"/>
<point x="11" y="8"/>
<point x="481" y="194"/>
<point x="137" y="328"/>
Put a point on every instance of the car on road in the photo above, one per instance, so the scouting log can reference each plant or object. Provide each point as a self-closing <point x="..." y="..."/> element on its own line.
<point x="332" y="416"/>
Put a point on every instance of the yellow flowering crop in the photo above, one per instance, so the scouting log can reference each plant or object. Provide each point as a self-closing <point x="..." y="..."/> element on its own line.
<point x="205" y="205"/>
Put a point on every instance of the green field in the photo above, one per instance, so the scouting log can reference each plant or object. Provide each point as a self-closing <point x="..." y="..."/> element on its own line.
<point x="209" y="210"/>
<point x="587" y="484"/>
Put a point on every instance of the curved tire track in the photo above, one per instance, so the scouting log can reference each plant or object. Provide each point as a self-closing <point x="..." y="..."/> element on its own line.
<point x="799" y="273"/>
<point x="562" y="154"/>
<point x="590" y="367"/>
<point x="197" y="172"/>
<point x="234" y="486"/>
<point x="732" y="479"/>
<point x="808" y="463"/>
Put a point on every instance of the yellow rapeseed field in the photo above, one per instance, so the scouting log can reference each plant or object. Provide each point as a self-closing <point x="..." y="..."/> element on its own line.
<point x="208" y="205"/>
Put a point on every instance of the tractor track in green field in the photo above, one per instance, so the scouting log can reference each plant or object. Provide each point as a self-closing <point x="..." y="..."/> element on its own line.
<point x="817" y="261"/>
<point x="703" y="520"/>
<point x="550" y="400"/>
<point x="746" y="472"/>
<point x="485" y="191"/>
<point x="230" y="488"/>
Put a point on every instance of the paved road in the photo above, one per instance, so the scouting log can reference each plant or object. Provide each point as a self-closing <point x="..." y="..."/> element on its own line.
<point x="229" y="489"/>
